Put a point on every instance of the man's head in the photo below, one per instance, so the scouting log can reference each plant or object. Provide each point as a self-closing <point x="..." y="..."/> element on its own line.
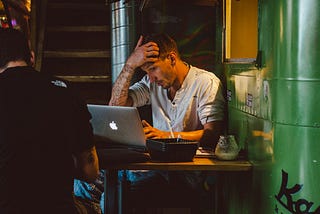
<point x="164" y="71"/>
<point x="165" y="43"/>
<point x="14" y="46"/>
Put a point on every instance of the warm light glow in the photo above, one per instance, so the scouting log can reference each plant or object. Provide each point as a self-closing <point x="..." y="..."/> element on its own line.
<point x="241" y="36"/>
<point x="28" y="5"/>
<point x="228" y="29"/>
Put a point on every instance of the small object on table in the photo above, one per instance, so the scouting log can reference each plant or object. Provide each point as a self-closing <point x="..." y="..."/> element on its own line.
<point x="172" y="149"/>
<point x="227" y="148"/>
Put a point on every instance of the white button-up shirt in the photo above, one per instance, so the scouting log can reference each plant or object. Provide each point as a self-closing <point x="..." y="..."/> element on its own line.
<point x="199" y="100"/>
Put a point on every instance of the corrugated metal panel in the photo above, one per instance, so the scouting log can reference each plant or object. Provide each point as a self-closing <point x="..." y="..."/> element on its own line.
<point x="123" y="34"/>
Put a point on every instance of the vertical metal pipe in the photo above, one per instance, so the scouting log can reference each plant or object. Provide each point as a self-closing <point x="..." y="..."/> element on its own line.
<point x="123" y="33"/>
<point x="296" y="85"/>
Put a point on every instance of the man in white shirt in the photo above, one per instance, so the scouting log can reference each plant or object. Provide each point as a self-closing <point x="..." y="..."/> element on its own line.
<point x="186" y="102"/>
<point x="183" y="98"/>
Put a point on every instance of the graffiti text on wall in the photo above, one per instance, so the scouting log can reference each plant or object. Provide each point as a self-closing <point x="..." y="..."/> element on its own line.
<point x="285" y="198"/>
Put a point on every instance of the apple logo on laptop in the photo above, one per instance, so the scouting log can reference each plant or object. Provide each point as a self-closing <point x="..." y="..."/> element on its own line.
<point x="113" y="125"/>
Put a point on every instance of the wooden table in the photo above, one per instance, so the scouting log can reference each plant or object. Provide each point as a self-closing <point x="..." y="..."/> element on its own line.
<point x="112" y="187"/>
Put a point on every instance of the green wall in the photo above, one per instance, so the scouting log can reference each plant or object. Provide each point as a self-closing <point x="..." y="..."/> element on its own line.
<point x="272" y="111"/>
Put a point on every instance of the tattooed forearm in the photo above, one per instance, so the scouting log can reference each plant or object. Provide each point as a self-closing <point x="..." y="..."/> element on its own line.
<point x="119" y="96"/>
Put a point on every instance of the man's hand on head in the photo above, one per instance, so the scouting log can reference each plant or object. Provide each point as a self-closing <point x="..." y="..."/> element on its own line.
<point x="143" y="53"/>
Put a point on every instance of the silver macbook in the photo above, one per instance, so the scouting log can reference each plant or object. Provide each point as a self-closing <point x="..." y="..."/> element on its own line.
<point x="117" y="124"/>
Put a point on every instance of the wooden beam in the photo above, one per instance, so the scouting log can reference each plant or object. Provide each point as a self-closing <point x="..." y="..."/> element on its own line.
<point x="76" y="6"/>
<point x="77" y="54"/>
<point x="91" y="79"/>
<point x="101" y="28"/>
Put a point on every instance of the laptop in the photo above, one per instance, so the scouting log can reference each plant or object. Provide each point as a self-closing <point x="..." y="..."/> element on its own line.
<point x="117" y="126"/>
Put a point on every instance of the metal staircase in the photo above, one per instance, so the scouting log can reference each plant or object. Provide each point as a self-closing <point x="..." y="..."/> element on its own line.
<point x="71" y="39"/>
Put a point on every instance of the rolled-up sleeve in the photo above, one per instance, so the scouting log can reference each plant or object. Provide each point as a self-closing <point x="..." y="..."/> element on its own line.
<point x="211" y="102"/>
<point x="140" y="92"/>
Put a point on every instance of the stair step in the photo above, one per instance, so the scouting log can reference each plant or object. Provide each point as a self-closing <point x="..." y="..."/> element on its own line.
<point x="74" y="44"/>
<point x="86" y="79"/>
<point x="97" y="28"/>
<point x="77" y="54"/>
<point x="77" y="6"/>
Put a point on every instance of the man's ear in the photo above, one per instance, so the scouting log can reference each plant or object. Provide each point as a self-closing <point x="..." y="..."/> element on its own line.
<point x="32" y="59"/>
<point x="172" y="57"/>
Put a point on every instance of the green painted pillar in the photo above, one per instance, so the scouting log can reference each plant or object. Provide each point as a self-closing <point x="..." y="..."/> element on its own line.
<point x="295" y="186"/>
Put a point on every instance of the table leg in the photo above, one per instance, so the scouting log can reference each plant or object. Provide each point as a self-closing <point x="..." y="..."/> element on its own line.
<point x="110" y="191"/>
<point x="219" y="200"/>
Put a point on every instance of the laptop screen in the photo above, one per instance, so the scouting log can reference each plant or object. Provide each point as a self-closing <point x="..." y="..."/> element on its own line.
<point x="118" y="124"/>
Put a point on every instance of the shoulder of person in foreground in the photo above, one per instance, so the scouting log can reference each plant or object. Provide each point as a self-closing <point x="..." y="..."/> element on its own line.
<point x="85" y="156"/>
